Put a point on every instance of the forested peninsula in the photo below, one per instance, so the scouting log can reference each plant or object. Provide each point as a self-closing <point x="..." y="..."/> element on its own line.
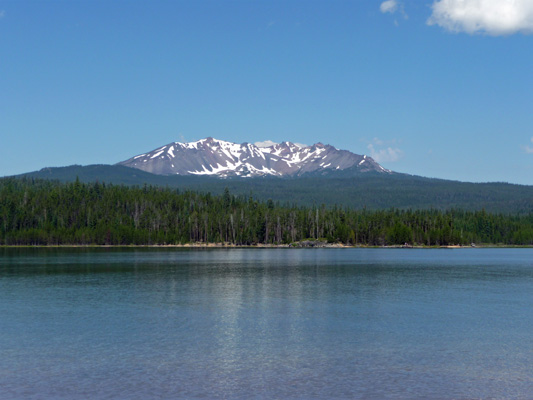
<point x="41" y="212"/>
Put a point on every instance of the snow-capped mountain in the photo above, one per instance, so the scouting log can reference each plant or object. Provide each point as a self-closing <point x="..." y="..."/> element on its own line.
<point x="223" y="159"/>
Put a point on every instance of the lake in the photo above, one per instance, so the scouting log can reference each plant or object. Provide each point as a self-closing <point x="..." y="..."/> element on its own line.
<point x="266" y="323"/>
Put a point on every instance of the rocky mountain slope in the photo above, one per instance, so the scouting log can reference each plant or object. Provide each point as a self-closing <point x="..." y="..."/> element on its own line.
<point x="212" y="157"/>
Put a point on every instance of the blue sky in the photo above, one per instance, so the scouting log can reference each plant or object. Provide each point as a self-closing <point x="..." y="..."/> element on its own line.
<point x="434" y="88"/>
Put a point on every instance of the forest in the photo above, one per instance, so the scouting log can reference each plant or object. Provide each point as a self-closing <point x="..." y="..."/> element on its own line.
<point x="42" y="212"/>
<point x="373" y="191"/>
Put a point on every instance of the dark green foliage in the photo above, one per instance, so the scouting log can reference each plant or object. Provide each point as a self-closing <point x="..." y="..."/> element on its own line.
<point x="40" y="212"/>
<point x="365" y="190"/>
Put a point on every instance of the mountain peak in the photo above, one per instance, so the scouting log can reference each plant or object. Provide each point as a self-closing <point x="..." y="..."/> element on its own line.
<point x="220" y="158"/>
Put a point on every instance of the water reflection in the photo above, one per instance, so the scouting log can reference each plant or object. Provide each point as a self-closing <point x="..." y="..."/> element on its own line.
<point x="276" y="323"/>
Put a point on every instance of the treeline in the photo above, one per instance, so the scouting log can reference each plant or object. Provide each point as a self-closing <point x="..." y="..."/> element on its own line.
<point x="39" y="212"/>
<point x="373" y="191"/>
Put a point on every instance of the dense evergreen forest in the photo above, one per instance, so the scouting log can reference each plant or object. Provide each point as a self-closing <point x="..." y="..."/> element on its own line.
<point x="40" y="212"/>
<point x="373" y="191"/>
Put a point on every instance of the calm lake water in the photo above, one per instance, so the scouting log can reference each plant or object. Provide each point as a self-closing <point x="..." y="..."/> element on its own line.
<point x="266" y="323"/>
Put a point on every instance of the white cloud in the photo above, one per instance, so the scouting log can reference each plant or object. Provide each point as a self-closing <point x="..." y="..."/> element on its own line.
<point x="389" y="6"/>
<point x="266" y="143"/>
<point x="529" y="149"/>
<point x="379" y="142"/>
<point x="492" y="17"/>
<point x="393" y="6"/>
<point x="381" y="151"/>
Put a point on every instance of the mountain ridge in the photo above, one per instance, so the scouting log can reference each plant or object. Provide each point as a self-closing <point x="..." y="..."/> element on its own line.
<point x="311" y="175"/>
<point x="214" y="157"/>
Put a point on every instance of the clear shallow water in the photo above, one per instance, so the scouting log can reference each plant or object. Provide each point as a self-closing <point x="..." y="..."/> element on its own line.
<point x="266" y="323"/>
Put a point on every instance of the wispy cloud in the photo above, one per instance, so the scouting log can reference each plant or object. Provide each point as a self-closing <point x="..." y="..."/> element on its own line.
<point x="491" y="17"/>
<point x="266" y="143"/>
<point x="392" y="7"/>
<point x="384" y="151"/>
<point x="529" y="149"/>
<point x="389" y="6"/>
<point x="2" y="13"/>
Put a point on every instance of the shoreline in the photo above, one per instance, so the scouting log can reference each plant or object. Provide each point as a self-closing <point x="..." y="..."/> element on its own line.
<point x="259" y="246"/>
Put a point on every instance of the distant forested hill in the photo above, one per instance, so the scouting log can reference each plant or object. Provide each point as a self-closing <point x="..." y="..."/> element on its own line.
<point x="366" y="190"/>
<point x="40" y="212"/>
